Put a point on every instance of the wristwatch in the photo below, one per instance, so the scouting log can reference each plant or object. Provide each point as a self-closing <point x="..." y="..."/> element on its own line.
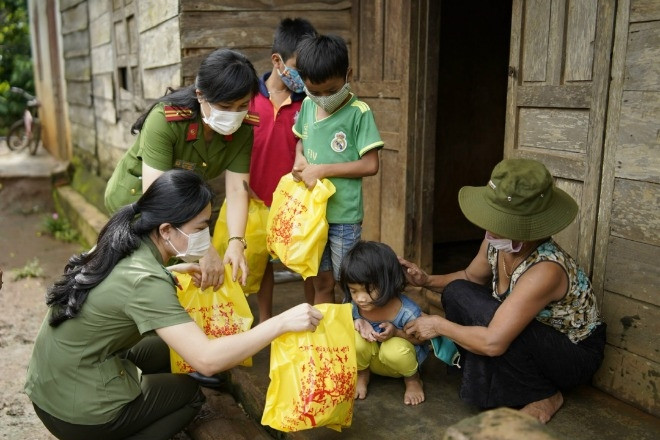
<point x="241" y="239"/>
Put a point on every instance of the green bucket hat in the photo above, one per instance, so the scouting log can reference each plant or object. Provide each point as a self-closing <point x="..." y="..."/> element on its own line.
<point x="520" y="202"/>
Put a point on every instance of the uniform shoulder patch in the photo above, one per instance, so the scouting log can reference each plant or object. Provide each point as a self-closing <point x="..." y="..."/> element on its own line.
<point x="251" y="118"/>
<point x="174" y="114"/>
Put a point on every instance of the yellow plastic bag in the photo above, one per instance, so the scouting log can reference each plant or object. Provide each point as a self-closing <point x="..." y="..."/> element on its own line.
<point x="225" y="312"/>
<point x="297" y="227"/>
<point x="313" y="375"/>
<point x="255" y="236"/>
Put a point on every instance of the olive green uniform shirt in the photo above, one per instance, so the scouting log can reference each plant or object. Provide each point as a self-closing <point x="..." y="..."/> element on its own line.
<point x="164" y="145"/>
<point x="76" y="372"/>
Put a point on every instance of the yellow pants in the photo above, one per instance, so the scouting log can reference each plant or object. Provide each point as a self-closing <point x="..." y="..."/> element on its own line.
<point x="395" y="357"/>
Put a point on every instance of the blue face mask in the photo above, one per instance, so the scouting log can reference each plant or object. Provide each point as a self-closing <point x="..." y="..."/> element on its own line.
<point x="291" y="78"/>
<point x="445" y="350"/>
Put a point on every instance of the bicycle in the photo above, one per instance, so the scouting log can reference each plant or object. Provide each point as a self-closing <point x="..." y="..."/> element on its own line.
<point x="26" y="132"/>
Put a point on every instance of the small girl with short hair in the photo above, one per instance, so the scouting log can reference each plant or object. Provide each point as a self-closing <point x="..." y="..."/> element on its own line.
<point x="373" y="280"/>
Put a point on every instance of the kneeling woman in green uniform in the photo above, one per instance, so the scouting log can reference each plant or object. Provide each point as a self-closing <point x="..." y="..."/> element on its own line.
<point x="100" y="365"/>
<point x="206" y="128"/>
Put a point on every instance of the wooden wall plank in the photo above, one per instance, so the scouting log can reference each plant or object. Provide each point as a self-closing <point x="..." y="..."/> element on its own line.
<point x="393" y="197"/>
<point x="610" y="145"/>
<point x="251" y="29"/>
<point x="395" y="44"/>
<point x="642" y="66"/>
<point x="570" y="237"/>
<point x="644" y="10"/>
<point x="580" y="36"/>
<point x="380" y="89"/>
<point x="597" y="117"/>
<point x="387" y="114"/>
<point x="370" y="45"/>
<point x="632" y="269"/>
<point x="568" y="167"/>
<point x="631" y="378"/>
<point x="536" y="29"/>
<point x="264" y="5"/>
<point x="151" y="14"/>
<point x="638" y="146"/>
<point x="371" y="191"/>
<point x="249" y="32"/>
<point x="632" y="325"/>
<point x="635" y="211"/>
<point x="556" y="42"/>
<point x="553" y="129"/>
<point x="515" y="78"/>
<point x="570" y="96"/>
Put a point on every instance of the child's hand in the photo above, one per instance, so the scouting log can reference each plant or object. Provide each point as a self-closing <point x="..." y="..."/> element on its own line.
<point x="365" y="330"/>
<point x="298" y="167"/>
<point x="311" y="174"/>
<point x="388" y="330"/>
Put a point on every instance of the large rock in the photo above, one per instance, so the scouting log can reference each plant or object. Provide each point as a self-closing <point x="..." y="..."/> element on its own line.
<point x="499" y="424"/>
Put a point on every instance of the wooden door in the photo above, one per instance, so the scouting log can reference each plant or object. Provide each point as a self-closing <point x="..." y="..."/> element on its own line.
<point x="558" y="82"/>
<point x="393" y="61"/>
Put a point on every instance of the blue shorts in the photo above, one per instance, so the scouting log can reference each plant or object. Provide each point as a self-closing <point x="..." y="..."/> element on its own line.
<point x="341" y="237"/>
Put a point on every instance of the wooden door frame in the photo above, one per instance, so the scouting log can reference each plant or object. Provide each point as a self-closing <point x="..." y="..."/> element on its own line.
<point x="421" y="137"/>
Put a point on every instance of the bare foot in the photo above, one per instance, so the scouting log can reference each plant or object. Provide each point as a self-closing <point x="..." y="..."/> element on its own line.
<point x="544" y="409"/>
<point x="362" y="382"/>
<point x="414" y="394"/>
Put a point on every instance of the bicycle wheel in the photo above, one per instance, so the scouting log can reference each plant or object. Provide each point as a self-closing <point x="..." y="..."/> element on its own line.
<point x="17" y="138"/>
<point x="36" y="136"/>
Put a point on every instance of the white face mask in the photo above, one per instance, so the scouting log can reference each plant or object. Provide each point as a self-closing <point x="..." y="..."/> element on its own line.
<point x="503" y="244"/>
<point x="198" y="243"/>
<point x="222" y="121"/>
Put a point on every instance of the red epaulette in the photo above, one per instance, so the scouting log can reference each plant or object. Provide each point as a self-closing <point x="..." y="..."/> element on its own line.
<point x="251" y="118"/>
<point x="174" y="114"/>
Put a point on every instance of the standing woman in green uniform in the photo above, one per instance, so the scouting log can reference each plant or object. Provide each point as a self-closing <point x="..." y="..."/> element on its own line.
<point x="206" y="128"/>
<point x="100" y="365"/>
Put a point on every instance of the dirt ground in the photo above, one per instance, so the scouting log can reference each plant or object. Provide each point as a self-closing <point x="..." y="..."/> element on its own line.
<point x="24" y="204"/>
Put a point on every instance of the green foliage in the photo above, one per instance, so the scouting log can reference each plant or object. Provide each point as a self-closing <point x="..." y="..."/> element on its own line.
<point x="32" y="269"/>
<point x="61" y="229"/>
<point x="15" y="60"/>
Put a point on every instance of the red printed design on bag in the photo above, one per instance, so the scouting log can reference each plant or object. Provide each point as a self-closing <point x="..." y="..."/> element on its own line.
<point x="286" y="221"/>
<point x="216" y="320"/>
<point x="328" y="380"/>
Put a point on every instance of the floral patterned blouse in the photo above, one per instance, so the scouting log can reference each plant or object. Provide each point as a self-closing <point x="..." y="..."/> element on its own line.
<point x="576" y="314"/>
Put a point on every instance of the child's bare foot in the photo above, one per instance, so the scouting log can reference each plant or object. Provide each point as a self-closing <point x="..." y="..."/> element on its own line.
<point x="414" y="394"/>
<point x="544" y="409"/>
<point x="362" y="382"/>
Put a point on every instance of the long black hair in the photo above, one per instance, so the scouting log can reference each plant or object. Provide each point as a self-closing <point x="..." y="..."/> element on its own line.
<point x="175" y="197"/>
<point x="375" y="266"/>
<point x="224" y="76"/>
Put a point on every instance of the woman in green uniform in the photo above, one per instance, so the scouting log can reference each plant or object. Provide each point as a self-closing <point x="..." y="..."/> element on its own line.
<point x="206" y="128"/>
<point x="100" y="365"/>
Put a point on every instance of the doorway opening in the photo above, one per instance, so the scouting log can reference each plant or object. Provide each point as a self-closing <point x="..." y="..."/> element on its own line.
<point x="472" y="87"/>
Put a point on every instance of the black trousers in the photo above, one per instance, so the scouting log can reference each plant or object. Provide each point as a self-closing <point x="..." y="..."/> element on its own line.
<point x="537" y="364"/>
<point x="167" y="404"/>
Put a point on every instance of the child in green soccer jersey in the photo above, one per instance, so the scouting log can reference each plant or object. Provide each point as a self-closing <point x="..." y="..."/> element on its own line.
<point x="339" y="141"/>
